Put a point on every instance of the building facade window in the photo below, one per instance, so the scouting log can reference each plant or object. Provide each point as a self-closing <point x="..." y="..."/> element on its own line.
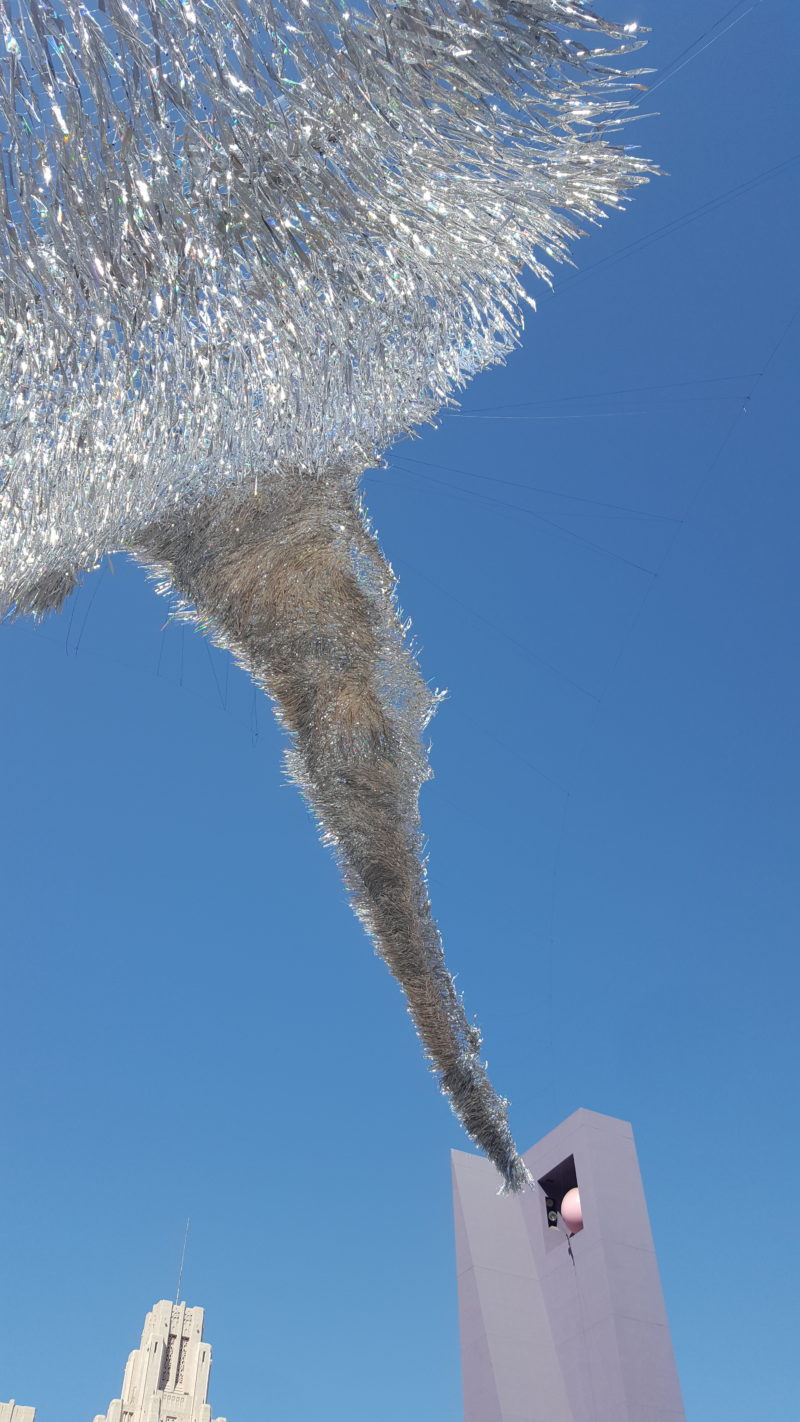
<point x="166" y="1366"/>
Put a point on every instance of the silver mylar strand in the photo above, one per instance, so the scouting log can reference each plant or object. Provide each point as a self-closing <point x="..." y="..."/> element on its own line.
<point x="245" y="246"/>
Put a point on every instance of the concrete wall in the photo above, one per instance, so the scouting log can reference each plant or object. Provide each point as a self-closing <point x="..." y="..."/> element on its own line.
<point x="560" y="1329"/>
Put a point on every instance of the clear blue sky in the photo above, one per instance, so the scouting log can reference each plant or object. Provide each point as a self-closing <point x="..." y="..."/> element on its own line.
<point x="192" y="1021"/>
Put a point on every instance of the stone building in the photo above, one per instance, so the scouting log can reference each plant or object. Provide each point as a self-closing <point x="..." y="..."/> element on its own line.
<point x="12" y="1412"/>
<point x="166" y="1377"/>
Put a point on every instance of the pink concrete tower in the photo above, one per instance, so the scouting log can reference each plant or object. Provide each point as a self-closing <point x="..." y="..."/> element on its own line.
<point x="563" y="1322"/>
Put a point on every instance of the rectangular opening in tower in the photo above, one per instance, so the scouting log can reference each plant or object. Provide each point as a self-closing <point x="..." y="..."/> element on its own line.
<point x="555" y="1184"/>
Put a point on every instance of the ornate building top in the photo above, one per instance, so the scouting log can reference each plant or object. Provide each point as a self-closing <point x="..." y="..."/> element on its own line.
<point x="166" y="1377"/>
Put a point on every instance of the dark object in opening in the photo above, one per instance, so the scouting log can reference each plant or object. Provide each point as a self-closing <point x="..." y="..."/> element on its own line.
<point x="555" y="1185"/>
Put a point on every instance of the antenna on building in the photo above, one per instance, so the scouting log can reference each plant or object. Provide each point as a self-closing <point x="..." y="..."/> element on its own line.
<point x="183" y="1257"/>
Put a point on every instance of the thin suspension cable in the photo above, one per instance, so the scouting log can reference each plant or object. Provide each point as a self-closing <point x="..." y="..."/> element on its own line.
<point x="482" y="499"/>
<point x="536" y="489"/>
<point x="542" y="518"/>
<point x="664" y="408"/>
<point x="675" y="66"/>
<point x="676" y="223"/>
<point x="627" y="390"/>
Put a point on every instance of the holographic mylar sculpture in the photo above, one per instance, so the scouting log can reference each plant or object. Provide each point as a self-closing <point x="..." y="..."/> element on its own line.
<point x="246" y="245"/>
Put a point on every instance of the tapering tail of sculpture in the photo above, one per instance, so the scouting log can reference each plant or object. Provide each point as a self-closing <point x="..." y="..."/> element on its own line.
<point x="291" y="582"/>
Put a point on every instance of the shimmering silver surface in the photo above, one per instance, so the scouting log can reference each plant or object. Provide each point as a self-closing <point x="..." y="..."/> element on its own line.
<point x="239" y="235"/>
<point x="244" y="247"/>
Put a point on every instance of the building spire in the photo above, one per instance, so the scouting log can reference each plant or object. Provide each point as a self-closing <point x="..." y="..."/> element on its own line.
<point x="183" y="1260"/>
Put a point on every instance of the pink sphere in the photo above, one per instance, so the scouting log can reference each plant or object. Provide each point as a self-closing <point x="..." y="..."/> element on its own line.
<point x="571" y="1212"/>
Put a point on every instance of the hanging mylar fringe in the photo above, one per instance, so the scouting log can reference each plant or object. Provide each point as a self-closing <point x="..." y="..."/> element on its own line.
<point x="245" y="247"/>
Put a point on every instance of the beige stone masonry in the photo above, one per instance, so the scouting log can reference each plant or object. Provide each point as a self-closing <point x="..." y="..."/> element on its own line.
<point x="166" y="1378"/>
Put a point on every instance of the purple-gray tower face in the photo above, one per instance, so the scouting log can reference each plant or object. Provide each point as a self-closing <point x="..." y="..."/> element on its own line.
<point x="558" y="1327"/>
